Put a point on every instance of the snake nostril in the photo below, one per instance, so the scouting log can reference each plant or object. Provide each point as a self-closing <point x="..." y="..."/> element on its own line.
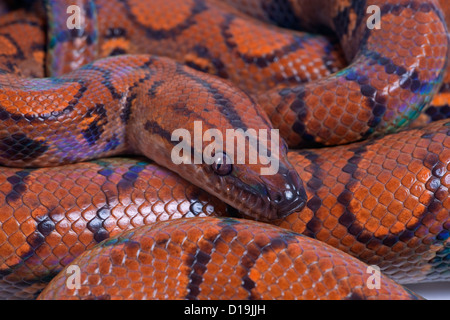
<point x="278" y="198"/>
<point x="285" y="197"/>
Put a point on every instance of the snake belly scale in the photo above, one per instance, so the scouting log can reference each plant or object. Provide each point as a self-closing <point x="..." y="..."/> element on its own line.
<point x="359" y="182"/>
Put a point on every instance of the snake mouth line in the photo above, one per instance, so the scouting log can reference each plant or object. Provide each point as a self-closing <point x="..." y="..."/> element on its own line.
<point x="291" y="207"/>
<point x="268" y="205"/>
<point x="292" y="196"/>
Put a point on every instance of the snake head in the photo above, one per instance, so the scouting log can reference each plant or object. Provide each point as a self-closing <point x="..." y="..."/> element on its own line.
<point x="263" y="186"/>
<point x="268" y="190"/>
<point x="219" y="139"/>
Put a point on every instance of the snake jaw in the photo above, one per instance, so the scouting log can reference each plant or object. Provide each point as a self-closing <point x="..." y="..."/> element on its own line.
<point x="288" y="198"/>
<point x="263" y="198"/>
<point x="292" y="199"/>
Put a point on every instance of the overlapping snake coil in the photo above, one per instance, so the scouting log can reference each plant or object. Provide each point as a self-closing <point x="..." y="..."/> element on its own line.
<point x="87" y="117"/>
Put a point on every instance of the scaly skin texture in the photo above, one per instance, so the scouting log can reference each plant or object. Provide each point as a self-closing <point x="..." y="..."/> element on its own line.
<point x="385" y="201"/>
<point x="268" y="62"/>
<point x="382" y="89"/>
<point x="49" y="216"/>
<point x="64" y="56"/>
<point x="214" y="258"/>
<point x="131" y="104"/>
<point x="291" y="14"/>
<point x="439" y="108"/>
<point x="120" y="105"/>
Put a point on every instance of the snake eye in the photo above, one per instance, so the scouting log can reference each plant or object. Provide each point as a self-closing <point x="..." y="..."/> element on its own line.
<point x="222" y="164"/>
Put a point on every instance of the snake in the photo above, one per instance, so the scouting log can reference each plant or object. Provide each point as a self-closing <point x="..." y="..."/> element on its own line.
<point x="71" y="99"/>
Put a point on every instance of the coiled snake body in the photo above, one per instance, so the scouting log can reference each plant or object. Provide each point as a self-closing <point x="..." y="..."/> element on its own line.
<point x="382" y="197"/>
